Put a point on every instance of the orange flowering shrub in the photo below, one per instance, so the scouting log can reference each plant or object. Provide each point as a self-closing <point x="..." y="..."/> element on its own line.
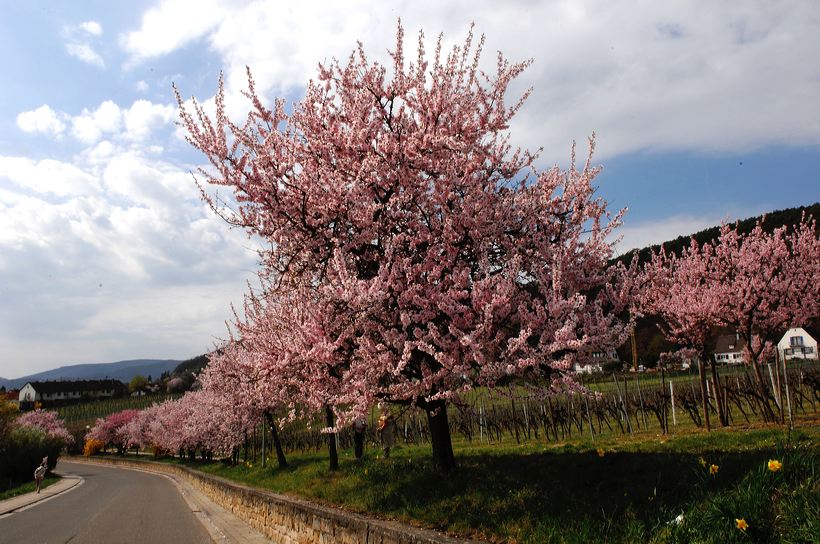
<point x="92" y="447"/>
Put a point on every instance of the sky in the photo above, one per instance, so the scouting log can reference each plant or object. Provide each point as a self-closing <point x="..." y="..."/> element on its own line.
<point x="704" y="112"/>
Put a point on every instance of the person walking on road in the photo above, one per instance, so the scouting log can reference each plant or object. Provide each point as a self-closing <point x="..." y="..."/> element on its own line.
<point x="40" y="473"/>
<point x="386" y="428"/>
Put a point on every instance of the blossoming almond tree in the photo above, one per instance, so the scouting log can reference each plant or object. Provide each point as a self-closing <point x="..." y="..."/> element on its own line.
<point x="239" y="374"/>
<point x="111" y="430"/>
<point x="682" y="290"/>
<point x="49" y="422"/>
<point x="440" y="257"/>
<point x="770" y="282"/>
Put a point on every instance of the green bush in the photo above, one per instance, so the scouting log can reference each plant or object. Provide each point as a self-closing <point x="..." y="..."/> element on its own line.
<point x="21" y="451"/>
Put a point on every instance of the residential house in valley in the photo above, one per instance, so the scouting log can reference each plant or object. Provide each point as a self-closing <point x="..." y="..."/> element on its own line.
<point x="797" y="343"/>
<point x="730" y="349"/>
<point x="64" y="392"/>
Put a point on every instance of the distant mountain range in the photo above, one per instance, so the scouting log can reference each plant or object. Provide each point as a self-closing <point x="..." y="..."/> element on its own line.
<point x="121" y="370"/>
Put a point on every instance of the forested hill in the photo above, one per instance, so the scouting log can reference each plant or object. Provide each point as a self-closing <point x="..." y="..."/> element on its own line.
<point x="773" y="220"/>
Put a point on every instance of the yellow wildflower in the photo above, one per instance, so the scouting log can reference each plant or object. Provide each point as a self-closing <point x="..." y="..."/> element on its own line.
<point x="702" y="462"/>
<point x="601" y="452"/>
<point x="741" y="524"/>
<point x="713" y="469"/>
<point x="774" y="465"/>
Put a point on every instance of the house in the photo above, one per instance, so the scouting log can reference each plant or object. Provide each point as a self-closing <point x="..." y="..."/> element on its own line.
<point x="63" y="392"/>
<point x="797" y="343"/>
<point x="595" y="362"/>
<point x="730" y="349"/>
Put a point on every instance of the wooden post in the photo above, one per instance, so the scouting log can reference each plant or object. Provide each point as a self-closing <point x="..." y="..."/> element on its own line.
<point x="640" y="399"/>
<point x="672" y="395"/>
<point x="788" y="397"/>
<point x="779" y="387"/>
<point x="774" y="387"/>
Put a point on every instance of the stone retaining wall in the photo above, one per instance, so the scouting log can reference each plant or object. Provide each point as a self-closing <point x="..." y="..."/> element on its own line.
<point x="286" y="519"/>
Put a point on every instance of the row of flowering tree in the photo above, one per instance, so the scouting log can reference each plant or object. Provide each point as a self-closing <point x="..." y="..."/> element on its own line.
<point x="199" y="421"/>
<point x="757" y="284"/>
<point x="412" y="253"/>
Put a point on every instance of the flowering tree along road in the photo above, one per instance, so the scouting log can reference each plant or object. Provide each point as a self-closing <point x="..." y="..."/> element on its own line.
<point x="429" y="256"/>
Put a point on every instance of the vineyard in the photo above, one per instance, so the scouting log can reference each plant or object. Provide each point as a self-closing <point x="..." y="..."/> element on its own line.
<point x="79" y="415"/>
<point x="624" y="405"/>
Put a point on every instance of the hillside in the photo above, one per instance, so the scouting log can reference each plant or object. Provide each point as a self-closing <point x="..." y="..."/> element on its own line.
<point x="773" y="220"/>
<point x="120" y="370"/>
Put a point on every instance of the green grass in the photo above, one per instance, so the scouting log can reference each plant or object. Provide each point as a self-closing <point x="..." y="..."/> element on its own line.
<point x="567" y="492"/>
<point x="27" y="488"/>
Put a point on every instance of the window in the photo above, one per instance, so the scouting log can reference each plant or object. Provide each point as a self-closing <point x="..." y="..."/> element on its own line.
<point x="795" y="341"/>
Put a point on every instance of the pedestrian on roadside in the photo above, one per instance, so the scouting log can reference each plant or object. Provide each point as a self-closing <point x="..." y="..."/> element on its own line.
<point x="386" y="429"/>
<point x="40" y="473"/>
<point x="359" y="426"/>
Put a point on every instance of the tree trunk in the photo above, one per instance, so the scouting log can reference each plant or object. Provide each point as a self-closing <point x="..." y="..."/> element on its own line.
<point x="277" y="444"/>
<point x="331" y="440"/>
<point x="443" y="455"/>
<point x="704" y="398"/>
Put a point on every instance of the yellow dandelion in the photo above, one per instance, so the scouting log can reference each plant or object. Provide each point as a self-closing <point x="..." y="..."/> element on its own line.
<point x="774" y="465"/>
<point x="713" y="469"/>
<point x="741" y="524"/>
<point x="601" y="452"/>
<point x="702" y="462"/>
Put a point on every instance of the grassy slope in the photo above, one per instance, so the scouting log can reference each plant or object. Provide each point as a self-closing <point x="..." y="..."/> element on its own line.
<point x="569" y="493"/>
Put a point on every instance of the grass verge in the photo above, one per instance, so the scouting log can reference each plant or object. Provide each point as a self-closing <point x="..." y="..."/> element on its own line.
<point x="27" y="487"/>
<point x="624" y="489"/>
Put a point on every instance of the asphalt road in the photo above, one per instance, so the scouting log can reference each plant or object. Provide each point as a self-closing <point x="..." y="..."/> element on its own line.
<point x="112" y="506"/>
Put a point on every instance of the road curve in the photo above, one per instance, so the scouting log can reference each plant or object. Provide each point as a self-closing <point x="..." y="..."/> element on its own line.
<point x="114" y="506"/>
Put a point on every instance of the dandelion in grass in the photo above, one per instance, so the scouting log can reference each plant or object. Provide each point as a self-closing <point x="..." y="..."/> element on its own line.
<point x="601" y="452"/>
<point x="702" y="462"/>
<point x="713" y="469"/>
<point x="774" y="465"/>
<point x="741" y="524"/>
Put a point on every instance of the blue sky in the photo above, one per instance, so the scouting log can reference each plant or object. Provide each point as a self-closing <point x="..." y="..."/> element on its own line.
<point x="704" y="111"/>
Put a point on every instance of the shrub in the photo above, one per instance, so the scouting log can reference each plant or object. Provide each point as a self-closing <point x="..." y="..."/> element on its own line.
<point x="92" y="447"/>
<point x="21" y="452"/>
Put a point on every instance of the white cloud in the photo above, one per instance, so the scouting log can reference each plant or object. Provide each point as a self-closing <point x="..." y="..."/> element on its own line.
<point x="43" y="119"/>
<point x="141" y="86"/>
<point x="108" y="120"/>
<point x="91" y="27"/>
<point x="169" y="26"/>
<point x="144" y="116"/>
<point x="47" y="176"/>
<point x="90" y="126"/>
<point x="111" y="252"/>
<point x="78" y="42"/>
<point x="702" y="76"/>
<point x="85" y="53"/>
